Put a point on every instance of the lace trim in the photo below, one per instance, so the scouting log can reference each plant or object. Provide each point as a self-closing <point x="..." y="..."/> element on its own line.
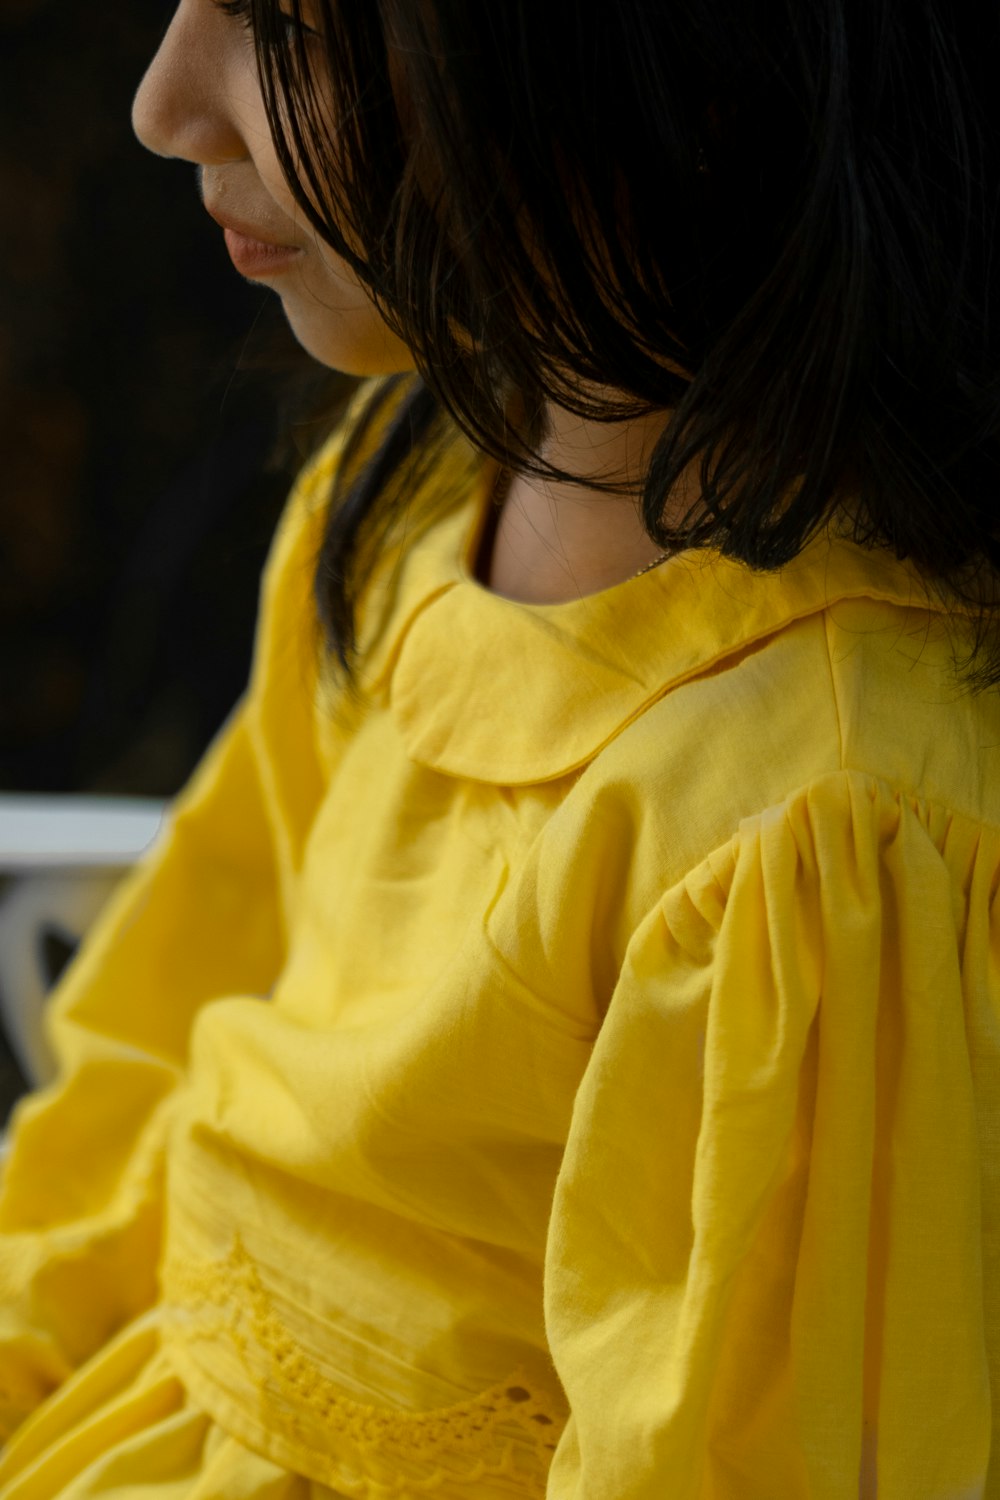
<point x="227" y="1300"/>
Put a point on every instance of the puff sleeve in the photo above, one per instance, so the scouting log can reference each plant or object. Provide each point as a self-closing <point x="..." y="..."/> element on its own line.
<point x="203" y="915"/>
<point x="773" y="1268"/>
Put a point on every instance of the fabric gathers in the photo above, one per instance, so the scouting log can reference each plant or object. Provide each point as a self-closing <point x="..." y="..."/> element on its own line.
<point x="568" y="1067"/>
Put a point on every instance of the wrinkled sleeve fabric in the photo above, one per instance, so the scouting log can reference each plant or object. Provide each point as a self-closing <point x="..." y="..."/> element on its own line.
<point x="203" y="915"/>
<point x="764" y="1275"/>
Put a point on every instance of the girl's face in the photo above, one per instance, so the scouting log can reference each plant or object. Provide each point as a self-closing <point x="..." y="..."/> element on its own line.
<point x="201" y="100"/>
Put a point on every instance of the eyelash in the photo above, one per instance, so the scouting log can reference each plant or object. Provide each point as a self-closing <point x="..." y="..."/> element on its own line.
<point x="241" y="10"/>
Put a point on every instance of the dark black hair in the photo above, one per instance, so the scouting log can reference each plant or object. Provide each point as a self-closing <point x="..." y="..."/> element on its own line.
<point x="775" y="220"/>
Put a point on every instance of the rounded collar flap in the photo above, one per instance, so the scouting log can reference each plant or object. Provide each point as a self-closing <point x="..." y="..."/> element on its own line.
<point x="493" y="690"/>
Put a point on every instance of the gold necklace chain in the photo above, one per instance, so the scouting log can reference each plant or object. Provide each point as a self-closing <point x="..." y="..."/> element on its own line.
<point x="650" y="565"/>
<point x="500" y="489"/>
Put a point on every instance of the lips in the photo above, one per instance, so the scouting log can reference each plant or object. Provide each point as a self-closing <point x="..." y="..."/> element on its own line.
<point x="253" y="254"/>
<point x="245" y="230"/>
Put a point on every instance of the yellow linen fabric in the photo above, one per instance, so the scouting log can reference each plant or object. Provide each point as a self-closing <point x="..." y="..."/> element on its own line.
<point x="571" y="1068"/>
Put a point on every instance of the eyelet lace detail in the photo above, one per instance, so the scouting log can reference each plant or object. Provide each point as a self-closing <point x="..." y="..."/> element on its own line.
<point x="491" y="1434"/>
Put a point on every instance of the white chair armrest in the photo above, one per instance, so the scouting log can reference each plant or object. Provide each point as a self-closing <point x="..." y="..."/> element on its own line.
<point x="55" y="832"/>
<point x="60" y="859"/>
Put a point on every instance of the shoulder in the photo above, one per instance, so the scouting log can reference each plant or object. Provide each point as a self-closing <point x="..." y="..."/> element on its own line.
<point x="857" y="683"/>
<point x="844" y="728"/>
<point x="352" y="440"/>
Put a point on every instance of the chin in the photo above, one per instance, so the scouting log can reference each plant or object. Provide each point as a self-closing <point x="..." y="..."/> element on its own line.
<point x="369" y="351"/>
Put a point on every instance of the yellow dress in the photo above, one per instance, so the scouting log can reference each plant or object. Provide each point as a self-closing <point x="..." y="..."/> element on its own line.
<point x="571" y="1067"/>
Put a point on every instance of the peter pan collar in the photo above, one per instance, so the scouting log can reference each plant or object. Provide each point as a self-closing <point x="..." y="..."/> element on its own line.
<point x="493" y="690"/>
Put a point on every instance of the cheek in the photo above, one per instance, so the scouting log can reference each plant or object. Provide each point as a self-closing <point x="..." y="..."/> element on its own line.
<point x="336" y="322"/>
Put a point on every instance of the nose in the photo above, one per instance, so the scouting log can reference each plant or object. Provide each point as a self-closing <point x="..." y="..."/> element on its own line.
<point x="183" y="106"/>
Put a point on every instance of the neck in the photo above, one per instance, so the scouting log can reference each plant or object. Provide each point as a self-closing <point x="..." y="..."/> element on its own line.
<point x="555" y="541"/>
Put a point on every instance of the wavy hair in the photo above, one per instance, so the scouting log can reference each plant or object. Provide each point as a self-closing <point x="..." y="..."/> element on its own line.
<point x="776" y="221"/>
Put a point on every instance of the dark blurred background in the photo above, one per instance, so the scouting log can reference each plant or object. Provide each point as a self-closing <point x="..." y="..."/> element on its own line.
<point x="153" y="410"/>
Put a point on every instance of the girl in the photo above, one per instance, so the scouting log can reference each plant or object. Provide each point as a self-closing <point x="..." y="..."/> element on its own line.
<point x="555" y="1049"/>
